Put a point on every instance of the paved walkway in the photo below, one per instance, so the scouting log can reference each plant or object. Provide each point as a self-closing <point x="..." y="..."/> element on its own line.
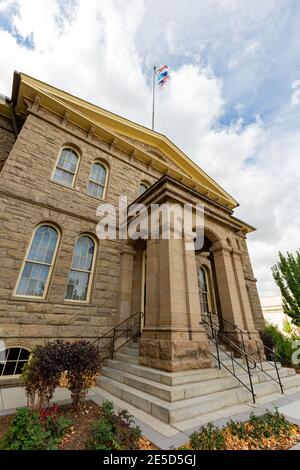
<point x="163" y="435"/>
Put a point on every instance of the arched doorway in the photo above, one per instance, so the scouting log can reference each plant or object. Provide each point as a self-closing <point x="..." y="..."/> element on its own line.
<point x="207" y="280"/>
<point x="139" y="287"/>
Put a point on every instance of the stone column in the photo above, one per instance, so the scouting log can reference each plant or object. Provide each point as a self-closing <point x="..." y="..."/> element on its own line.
<point x="127" y="256"/>
<point x="234" y="300"/>
<point x="172" y="339"/>
<point x="242" y="291"/>
<point x="228" y="292"/>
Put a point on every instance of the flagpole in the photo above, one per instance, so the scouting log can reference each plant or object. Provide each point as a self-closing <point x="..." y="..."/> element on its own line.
<point x="153" y="108"/>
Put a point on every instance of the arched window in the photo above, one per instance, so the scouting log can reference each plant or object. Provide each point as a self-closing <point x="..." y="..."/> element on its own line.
<point x="12" y="360"/>
<point x="66" y="167"/>
<point x="38" y="264"/>
<point x="204" y="291"/>
<point x="97" y="181"/>
<point x="143" y="188"/>
<point x="80" y="275"/>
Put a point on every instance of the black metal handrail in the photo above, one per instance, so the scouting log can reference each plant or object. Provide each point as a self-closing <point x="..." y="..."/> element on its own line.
<point x="119" y="336"/>
<point x="243" y="335"/>
<point x="215" y="338"/>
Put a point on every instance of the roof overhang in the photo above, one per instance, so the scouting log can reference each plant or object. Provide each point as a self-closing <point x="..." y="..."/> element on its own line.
<point x="5" y="106"/>
<point x="110" y="127"/>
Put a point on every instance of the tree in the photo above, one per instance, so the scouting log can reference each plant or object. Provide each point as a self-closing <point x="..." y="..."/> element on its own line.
<point x="287" y="276"/>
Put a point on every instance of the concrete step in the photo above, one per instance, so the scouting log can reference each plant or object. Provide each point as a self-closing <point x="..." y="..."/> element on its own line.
<point x="178" y="378"/>
<point x="130" y="351"/>
<point x="165" y="411"/>
<point x="269" y="388"/>
<point x="128" y="358"/>
<point x="240" y="366"/>
<point x="171" y="393"/>
<point x="134" y="345"/>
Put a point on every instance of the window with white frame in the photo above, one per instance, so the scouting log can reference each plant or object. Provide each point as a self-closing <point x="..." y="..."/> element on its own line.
<point x="143" y="188"/>
<point x="97" y="181"/>
<point x="80" y="275"/>
<point x="39" y="261"/>
<point x="66" y="167"/>
<point x="204" y="290"/>
<point x="12" y="360"/>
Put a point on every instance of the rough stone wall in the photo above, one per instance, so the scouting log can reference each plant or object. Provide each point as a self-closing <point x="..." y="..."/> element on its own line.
<point x="29" y="197"/>
<point x="7" y="139"/>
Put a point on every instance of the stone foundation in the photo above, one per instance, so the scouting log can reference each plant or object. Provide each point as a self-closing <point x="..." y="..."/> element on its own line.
<point x="174" y="356"/>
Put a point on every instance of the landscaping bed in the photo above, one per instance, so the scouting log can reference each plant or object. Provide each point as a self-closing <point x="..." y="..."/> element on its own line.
<point x="79" y="432"/>
<point x="271" y="431"/>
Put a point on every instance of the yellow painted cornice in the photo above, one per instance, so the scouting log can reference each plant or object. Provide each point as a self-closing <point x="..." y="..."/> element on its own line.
<point x="5" y="109"/>
<point x="112" y="128"/>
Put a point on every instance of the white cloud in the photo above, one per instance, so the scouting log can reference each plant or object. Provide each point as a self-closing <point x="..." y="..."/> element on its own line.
<point x="104" y="53"/>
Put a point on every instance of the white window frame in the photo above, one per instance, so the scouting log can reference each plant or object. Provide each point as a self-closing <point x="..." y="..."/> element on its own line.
<point x="16" y="361"/>
<point x="66" y="147"/>
<point x="207" y="292"/>
<point x="146" y="185"/>
<point x="91" y="272"/>
<point x="51" y="267"/>
<point x="105" y="166"/>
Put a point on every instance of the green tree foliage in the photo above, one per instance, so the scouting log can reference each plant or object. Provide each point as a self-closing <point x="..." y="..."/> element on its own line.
<point x="287" y="276"/>
<point x="282" y="344"/>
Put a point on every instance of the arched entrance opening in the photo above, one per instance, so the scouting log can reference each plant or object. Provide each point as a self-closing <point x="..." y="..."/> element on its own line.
<point x="207" y="279"/>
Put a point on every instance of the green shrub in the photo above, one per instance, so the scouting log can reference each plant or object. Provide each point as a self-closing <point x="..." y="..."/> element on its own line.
<point x="283" y="345"/>
<point x="114" y="431"/>
<point x="208" y="438"/>
<point x="252" y="432"/>
<point x="268" y="425"/>
<point x="30" y="431"/>
<point x="237" y="428"/>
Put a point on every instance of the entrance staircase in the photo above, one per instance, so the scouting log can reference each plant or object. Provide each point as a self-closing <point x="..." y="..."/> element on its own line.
<point x="174" y="398"/>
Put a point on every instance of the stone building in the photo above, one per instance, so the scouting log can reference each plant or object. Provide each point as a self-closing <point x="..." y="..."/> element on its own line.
<point x="60" y="157"/>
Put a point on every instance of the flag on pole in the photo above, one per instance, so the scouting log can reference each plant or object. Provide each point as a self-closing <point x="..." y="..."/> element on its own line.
<point x="163" y="76"/>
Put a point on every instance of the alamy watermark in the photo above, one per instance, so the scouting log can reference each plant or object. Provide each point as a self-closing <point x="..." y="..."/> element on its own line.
<point x="158" y="221"/>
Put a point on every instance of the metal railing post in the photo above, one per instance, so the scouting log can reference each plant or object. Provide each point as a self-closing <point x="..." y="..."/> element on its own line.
<point x="218" y="352"/>
<point x="250" y="379"/>
<point x="113" y="344"/>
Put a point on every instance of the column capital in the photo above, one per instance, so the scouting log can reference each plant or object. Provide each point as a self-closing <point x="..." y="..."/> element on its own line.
<point x="236" y="252"/>
<point x="128" y="250"/>
<point x="221" y="246"/>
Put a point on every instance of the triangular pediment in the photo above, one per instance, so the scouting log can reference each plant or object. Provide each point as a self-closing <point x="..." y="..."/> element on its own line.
<point x="151" y="147"/>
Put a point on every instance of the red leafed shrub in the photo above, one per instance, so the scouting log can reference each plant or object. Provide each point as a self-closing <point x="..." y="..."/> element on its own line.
<point x="52" y="413"/>
<point x="80" y="361"/>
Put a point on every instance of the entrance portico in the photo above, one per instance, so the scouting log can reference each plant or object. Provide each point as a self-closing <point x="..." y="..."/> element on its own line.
<point x="173" y="337"/>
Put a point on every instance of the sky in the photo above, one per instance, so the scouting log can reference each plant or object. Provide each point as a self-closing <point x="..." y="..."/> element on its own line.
<point x="233" y="102"/>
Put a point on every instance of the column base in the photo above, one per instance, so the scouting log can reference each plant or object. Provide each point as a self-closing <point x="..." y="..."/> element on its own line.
<point x="175" y="355"/>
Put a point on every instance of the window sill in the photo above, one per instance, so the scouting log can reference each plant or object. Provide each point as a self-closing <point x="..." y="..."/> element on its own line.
<point x="28" y="299"/>
<point x="73" y="188"/>
<point x="77" y="303"/>
<point x="10" y="381"/>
